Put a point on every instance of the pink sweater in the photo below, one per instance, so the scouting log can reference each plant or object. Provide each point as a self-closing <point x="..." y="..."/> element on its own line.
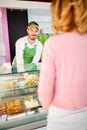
<point x="63" y="76"/>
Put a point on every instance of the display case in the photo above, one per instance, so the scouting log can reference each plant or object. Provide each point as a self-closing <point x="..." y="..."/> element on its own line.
<point x="19" y="104"/>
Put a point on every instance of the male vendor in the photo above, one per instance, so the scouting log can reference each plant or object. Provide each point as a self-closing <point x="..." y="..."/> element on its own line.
<point x="28" y="48"/>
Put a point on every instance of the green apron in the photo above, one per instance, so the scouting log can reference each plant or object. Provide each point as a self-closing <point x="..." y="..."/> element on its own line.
<point x="28" y="54"/>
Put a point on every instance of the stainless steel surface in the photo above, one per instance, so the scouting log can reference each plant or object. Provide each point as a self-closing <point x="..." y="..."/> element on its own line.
<point x="40" y="125"/>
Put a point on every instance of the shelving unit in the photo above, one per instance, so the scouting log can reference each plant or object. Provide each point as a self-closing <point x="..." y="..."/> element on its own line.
<point x="19" y="100"/>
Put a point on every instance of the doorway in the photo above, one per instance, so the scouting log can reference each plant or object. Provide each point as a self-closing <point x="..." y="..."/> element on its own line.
<point x="17" y="24"/>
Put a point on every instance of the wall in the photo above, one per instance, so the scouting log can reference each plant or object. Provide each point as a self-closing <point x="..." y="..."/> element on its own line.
<point x="4" y="42"/>
<point x="5" y="35"/>
<point x="17" y="23"/>
<point x="38" y="11"/>
<point x="2" y="50"/>
<point x="43" y="17"/>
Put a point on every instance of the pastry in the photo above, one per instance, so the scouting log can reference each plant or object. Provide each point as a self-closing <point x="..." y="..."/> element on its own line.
<point x="3" y="108"/>
<point x="14" y="107"/>
<point x="31" y="104"/>
<point x="9" y="84"/>
<point x="32" y="79"/>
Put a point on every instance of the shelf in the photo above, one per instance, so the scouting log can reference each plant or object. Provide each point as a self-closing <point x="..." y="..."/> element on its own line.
<point x="23" y="120"/>
<point x="19" y="104"/>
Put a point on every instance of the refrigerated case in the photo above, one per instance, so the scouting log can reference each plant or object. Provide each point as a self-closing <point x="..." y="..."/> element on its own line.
<point x="19" y="105"/>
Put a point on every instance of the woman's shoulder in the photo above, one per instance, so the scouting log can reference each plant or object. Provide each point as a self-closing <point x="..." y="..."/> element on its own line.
<point x="63" y="36"/>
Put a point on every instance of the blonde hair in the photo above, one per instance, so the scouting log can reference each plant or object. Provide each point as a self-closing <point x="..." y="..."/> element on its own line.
<point x="69" y="15"/>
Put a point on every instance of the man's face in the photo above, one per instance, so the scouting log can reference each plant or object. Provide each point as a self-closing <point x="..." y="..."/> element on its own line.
<point x="32" y="33"/>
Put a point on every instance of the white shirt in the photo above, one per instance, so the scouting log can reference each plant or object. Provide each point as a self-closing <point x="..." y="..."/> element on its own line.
<point x="20" y="45"/>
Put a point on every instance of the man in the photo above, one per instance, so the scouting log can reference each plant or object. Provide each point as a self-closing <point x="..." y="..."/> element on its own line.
<point x="28" y="48"/>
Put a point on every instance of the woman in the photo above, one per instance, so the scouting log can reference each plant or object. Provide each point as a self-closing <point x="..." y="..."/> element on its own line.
<point x="62" y="87"/>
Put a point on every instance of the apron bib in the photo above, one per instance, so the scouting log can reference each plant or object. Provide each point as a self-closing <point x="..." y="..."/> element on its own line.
<point x="28" y="54"/>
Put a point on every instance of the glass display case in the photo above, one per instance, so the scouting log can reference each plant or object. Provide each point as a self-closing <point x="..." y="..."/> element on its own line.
<point x="19" y="105"/>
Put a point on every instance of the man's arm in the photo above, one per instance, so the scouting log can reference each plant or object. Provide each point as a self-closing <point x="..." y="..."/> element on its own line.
<point x="19" y="54"/>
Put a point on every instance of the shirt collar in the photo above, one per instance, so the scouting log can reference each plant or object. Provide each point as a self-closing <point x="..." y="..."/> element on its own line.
<point x="35" y="43"/>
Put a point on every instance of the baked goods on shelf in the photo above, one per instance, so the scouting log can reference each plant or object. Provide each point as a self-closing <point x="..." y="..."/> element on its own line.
<point x="3" y="108"/>
<point x="17" y="94"/>
<point x="31" y="104"/>
<point x="9" y="84"/>
<point x="14" y="107"/>
<point x="32" y="79"/>
<point x="29" y="97"/>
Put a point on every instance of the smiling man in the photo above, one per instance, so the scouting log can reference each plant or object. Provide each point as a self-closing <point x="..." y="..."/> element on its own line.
<point x="28" y="48"/>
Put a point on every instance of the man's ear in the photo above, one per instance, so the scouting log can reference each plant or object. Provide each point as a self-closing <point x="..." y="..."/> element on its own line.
<point x="27" y="30"/>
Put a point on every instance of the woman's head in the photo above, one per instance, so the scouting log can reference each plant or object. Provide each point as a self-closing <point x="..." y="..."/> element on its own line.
<point x="69" y="15"/>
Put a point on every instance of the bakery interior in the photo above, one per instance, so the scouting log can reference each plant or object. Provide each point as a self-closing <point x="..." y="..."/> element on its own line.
<point x="19" y="105"/>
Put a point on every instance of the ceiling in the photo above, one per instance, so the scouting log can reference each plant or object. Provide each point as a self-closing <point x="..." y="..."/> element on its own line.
<point x="39" y="0"/>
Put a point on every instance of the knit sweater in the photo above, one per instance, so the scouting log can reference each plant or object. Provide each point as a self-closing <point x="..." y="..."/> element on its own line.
<point x="63" y="75"/>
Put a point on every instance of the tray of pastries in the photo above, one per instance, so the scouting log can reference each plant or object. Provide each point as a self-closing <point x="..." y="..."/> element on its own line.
<point x="3" y="108"/>
<point x="8" y="82"/>
<point x="14" y="107"/>
<point x="31" y="80"/>
<point x="30" y="103"/>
